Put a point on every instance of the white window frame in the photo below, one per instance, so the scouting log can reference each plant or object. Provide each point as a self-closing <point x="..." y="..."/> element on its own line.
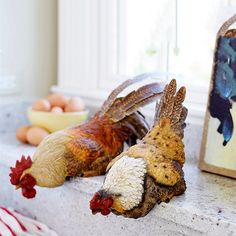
<point x="85" y="55"/>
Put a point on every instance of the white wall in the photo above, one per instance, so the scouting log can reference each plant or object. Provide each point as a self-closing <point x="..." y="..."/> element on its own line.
<point x="28" y="44"/>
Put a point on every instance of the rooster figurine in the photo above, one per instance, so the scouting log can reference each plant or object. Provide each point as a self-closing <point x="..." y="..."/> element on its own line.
<point x="149" y="172"/>
<point x="86" y="150"/>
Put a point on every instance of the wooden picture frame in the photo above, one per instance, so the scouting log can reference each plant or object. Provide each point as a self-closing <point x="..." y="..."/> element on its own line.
<point x="218" y="155"/>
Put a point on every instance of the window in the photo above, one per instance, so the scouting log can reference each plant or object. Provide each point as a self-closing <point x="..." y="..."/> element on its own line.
<point x="102" y="42"/>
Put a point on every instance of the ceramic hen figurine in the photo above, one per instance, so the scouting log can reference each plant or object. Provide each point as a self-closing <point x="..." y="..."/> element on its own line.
<point x="86" y="150"/>
<point x="149" y="172"/>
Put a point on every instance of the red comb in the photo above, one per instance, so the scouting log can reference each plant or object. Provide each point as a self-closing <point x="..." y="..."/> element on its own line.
<point x="17" y="171"/>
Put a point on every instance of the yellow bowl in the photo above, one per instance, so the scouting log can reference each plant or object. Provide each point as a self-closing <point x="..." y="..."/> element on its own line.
<point x="52" y="121"/>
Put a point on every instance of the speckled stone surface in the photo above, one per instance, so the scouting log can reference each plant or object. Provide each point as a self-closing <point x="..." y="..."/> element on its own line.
<point x="207" y="208"/>
<point x="12" y="116"/>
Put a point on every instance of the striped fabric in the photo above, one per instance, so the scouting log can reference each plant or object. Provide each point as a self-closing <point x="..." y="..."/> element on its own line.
<point x="14" y="224"/>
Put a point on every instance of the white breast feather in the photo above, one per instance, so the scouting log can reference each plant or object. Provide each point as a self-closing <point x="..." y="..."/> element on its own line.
<point x="126" y="178"/>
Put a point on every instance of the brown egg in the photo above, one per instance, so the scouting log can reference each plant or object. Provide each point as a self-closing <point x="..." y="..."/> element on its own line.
<point x="57" y="110"/>
<point x="21" y="133"/>
<point x="75" y="104"/>
<point x="35" y="135"/>
<point x="41" y="105"/>
<point x="57" y="100"/>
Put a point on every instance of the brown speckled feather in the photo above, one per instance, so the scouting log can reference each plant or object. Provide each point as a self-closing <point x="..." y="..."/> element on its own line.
<point x="113" y="95"/>
<point x="164" y="109"/>
<point x="125" y="106"/>
<point x="166" y="137"/>
<point x="171" y="107"/>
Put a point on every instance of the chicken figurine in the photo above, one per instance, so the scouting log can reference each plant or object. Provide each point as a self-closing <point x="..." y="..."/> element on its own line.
<point x="86" y="149"/>
<point x="149" y="172"/>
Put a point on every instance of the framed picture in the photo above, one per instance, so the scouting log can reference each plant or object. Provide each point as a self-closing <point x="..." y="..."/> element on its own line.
<point x="218" y="149"/>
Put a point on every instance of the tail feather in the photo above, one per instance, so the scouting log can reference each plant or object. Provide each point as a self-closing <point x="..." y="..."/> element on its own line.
<point x="165" y="107"/>
<point x="125" y="106"/>
<point x="139" y="95"/>
<point x="171" y="106"/>
<point x="183" y="117"/>
<point x="133" y="123"/>
<point x="141" y="104"/>
<point x="125" y="109"/>
<point x="113" y="96"/>
<point x="178" y="107"/>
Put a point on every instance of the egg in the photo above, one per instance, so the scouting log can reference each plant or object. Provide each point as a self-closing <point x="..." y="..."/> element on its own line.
<point x="75" y="104"/>
<point x="57" y="110"/>
<point x="21" y="133"/>
<point x="35" y="135"/>
<point x="41" y="105"/>
<point x="57" y="100"/>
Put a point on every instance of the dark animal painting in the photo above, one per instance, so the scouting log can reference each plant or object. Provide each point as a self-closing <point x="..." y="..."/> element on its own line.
<point x="218" y="150"/>
<point x="223" y="93"/>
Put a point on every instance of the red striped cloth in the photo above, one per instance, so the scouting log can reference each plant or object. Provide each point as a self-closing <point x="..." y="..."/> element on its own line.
<point x="14" y="224"/>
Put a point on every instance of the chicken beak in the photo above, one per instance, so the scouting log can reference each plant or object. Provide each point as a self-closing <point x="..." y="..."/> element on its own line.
<point x="17" y="187"/>
<point x="94" y="212"/>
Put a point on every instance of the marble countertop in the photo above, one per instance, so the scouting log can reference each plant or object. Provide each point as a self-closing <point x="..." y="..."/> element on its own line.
<point x="208" y="206"/>
<point x="209" y="199"/>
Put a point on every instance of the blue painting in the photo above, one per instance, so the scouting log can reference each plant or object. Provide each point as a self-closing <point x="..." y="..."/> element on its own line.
<point x="223" y="93"/>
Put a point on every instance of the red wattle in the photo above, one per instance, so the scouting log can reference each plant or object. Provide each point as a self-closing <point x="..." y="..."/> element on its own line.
<point x="29" y="193"/>
<point x="105" y="212"/>
<point x="27" y="184"/>
<point x="28" y="181"/>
